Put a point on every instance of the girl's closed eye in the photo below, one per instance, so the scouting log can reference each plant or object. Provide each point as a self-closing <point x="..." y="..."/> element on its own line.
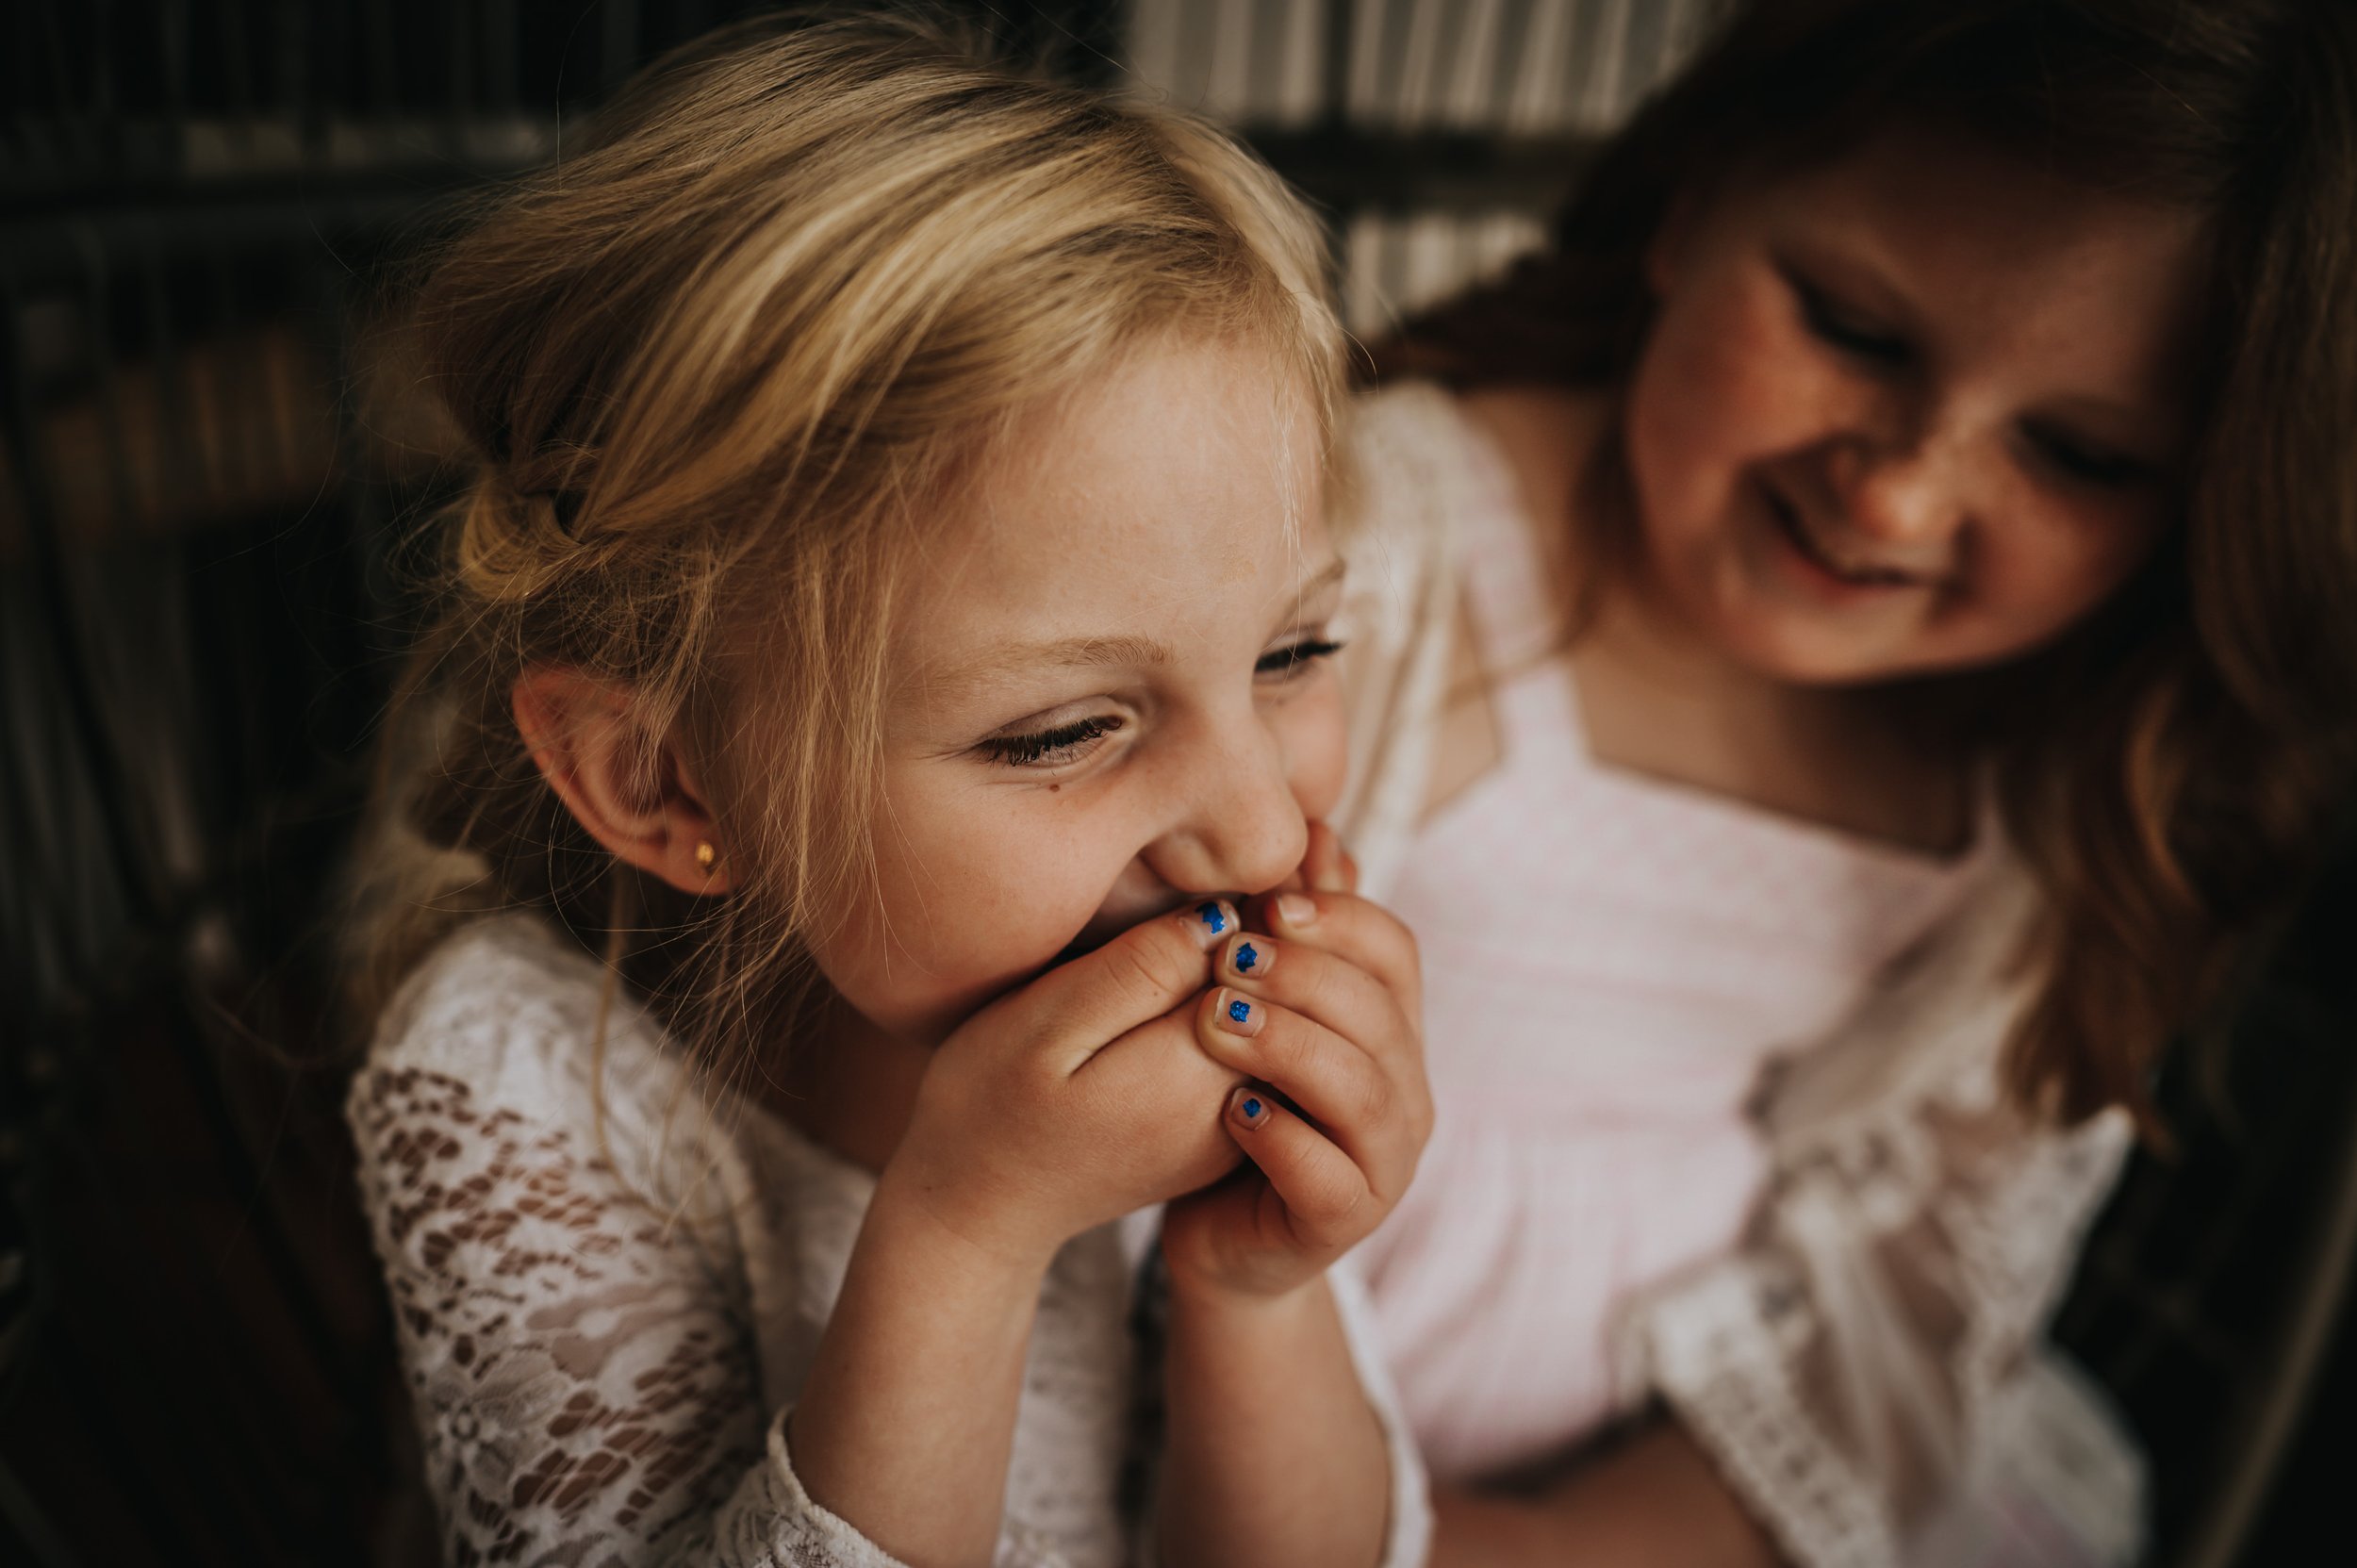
<point x="2085" y="463"/>
<point x="1833" y="323"/>
<point x="1295" y="659"/>
<point x="1058" y="746"/>
<point x="1061" y="744"/>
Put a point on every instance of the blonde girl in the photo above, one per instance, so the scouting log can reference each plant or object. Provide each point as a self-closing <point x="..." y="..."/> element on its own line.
<point x="1878" y="641"/>
<point x="881" y="655"/>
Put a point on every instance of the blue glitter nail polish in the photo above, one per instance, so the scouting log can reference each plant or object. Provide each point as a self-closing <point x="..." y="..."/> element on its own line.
<point x="1214" y="916"/>
<point x="1239" y="1011"/>
<point x="1246" y="956"/>
<point x="1252" y="1110"/>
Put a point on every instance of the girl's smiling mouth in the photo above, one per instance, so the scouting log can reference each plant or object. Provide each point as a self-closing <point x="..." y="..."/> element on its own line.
<point x="1828" y="560"/>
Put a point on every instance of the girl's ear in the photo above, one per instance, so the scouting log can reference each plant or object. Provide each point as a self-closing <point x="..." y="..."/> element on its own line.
<point x="631" y="790"/>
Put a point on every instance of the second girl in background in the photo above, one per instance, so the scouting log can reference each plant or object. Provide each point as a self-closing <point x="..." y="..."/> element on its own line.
<point x="1860" y="644"/>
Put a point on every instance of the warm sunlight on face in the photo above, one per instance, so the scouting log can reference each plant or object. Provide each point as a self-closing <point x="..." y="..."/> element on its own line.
<point x="1917" y="408"/>
<point x="1111" y="693"/>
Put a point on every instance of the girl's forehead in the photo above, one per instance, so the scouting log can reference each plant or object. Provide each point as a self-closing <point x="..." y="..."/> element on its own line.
<point x="1180" y="485"/>
<point x="1950" y="185"/>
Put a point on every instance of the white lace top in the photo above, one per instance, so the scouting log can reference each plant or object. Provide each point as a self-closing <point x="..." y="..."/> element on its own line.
<point x="607" y="1300"/>
<point x="1843" y="1300"/>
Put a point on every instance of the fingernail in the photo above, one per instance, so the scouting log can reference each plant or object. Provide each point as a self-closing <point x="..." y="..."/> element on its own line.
<point x="1235" y="1015"/>
<point x="1296" y="909"/>
<point x="1250" y="956"/>
<point x="1213" y="919"/>
<point x="1250" y="1105"/>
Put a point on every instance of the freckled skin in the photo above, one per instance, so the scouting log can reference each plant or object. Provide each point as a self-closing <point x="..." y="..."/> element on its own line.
<point x="1176" y="498"/>
<point x="2021" y="300"/>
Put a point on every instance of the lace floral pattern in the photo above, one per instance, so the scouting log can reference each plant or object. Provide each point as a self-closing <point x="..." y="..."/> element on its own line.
<point x="576" y="1384"/>
<point x="607" y="1295"/>
<point x="1859" y="1369"/>
<point x="1869" y="1368"/>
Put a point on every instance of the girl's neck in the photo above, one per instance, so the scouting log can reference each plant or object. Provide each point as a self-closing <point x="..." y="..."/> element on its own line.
<point x="1659" y="698"/>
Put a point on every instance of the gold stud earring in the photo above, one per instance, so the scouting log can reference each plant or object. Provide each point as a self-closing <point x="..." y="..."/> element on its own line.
<point x="706" y="854"/>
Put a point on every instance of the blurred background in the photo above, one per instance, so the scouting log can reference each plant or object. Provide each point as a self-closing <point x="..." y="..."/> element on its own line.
<point x="209" y="452"/>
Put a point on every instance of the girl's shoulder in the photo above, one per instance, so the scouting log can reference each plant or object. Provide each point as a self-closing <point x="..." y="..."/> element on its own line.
<point x="1410" y="473"/>
<point x="506" y="1017"/>
<point x="1412" y="457"/>
<point x="508" y="1034"/>
<point x="1433" y="472"/>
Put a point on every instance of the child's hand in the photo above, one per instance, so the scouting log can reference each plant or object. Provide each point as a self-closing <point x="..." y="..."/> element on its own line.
<point x="1073" y="1100"/>
<point x="1325" y="1016"/>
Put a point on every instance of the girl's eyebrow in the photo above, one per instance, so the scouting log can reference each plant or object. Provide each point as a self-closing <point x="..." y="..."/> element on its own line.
<point x="1122" y="650"/>
<point x="1011" y="659"/>
<point x="1332" y="574"/>
<point x="1329" y="576"/>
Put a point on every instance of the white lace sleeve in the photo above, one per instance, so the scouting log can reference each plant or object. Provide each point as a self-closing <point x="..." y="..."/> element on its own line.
<point x="1869" y="1370"/>
<point x="577" y="1345"/>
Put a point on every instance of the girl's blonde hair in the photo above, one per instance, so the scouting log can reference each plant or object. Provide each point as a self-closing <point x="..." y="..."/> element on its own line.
<point x="720" y="369"/>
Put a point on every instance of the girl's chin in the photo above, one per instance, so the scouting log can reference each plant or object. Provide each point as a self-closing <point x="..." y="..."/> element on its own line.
<point x="1763" y="627"/>
<point x="1802" y="651"/>
<point x="1823" y="667"/>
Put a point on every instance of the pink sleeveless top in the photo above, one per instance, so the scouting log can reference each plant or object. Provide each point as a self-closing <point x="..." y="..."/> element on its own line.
<point x="1609" y="961"/>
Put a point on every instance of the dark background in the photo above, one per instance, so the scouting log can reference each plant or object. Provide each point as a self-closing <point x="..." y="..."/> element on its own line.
<point x="208" y="462"/>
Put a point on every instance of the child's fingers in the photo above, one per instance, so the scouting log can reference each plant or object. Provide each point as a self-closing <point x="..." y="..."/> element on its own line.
<point x="1335" y="1084"/>
<point x="1331" y="991"/>
<point x="1317" y="1182"/>
<point x="1138" y="976"/>
<point x="1346" y="930"/>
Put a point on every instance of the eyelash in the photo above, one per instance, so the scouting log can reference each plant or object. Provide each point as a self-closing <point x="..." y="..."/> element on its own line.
<point x="1825" y="321"/>
<point x="1031" y="750"/>
<point x="1832" y="326"/>
<point x="2076" y="463"/>
<point x="1044" y="748"/>
<point x="1288" y="661"/>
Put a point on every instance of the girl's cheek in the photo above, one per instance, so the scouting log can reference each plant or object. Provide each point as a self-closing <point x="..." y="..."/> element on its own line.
<point x="1770" y="386"/>
<point x="2053" y="568"/>
<point x="1713" y="384"/>
<point x="953" y="916"/>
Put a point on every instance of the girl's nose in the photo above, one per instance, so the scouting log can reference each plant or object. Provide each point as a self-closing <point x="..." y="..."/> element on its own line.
<point x="1901" y="492"/>
<point x="1236" y="826"/>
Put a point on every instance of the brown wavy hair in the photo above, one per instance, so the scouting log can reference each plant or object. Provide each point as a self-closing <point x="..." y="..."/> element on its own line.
<point x="2168" y="768"/>
<point x="713" y="374"/>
